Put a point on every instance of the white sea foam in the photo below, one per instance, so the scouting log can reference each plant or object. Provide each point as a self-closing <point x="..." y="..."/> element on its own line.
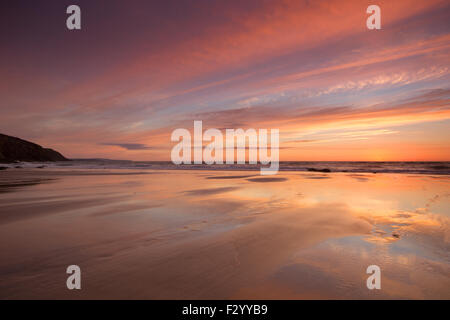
<point x="442" y="168"/>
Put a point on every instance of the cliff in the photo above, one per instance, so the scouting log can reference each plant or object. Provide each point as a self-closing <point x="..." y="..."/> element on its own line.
<point x="15" y="149"/>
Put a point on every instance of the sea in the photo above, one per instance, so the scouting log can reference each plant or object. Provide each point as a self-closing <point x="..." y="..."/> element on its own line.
<point x="407" y="167"/>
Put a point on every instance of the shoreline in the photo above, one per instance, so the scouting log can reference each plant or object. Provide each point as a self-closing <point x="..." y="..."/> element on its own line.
<point x="176" y="234"/>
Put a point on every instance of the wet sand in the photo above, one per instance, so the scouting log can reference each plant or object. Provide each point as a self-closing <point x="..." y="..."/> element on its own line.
<point x="155" y="234"/>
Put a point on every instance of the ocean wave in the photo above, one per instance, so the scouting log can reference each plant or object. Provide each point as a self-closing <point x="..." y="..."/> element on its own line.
<point x="435" y="168"/>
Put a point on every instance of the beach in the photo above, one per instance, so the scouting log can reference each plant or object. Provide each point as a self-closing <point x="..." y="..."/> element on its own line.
<point x="213" y="234"/>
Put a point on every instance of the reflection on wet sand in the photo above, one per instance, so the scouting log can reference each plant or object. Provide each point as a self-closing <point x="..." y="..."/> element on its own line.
<point x="191" y="235"/>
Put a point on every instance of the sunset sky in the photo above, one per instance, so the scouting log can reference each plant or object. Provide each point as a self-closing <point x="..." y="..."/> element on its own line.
<point x="140" y="69"/>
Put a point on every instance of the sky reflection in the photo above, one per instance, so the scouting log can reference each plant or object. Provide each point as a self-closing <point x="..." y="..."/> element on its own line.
<point x="181" y="234"/>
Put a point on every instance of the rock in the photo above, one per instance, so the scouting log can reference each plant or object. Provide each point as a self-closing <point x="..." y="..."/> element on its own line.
<point x="319" y="170"/>
<point x="14" y="149"/>
<point x="440" y="167"/>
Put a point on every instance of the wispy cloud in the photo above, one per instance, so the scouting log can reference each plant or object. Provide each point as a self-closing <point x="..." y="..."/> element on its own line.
<point x="306" y="67"/>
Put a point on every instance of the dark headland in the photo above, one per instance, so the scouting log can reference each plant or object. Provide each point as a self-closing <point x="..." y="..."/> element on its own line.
<point x="14" y="149"/>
